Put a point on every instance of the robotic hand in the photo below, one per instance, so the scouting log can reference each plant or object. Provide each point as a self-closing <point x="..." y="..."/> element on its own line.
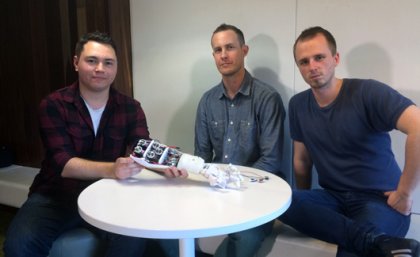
<point x="152" y="154"/>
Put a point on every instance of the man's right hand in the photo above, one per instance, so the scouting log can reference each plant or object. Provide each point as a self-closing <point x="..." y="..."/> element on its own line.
<point x="125" y="167"/>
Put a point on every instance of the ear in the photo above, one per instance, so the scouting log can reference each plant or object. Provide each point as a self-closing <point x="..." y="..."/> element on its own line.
<point x="75" y="63"/>
<point x="337" y="58"/>
<point x="245" y="49"/>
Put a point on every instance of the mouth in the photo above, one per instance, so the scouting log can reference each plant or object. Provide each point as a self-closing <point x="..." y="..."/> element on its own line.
<point x="315" y="76"/>
<point x="99" y="78"/>
<point x="225" y="64"/>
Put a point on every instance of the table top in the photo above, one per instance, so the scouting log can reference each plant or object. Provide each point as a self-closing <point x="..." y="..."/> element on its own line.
<point x="150" y="205"/>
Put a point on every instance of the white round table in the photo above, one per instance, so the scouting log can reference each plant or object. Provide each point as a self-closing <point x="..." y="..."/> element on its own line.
<point x="150" y="205"/>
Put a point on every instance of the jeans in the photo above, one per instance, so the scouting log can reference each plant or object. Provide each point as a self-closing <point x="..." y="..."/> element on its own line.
<point x="349" y="219"/>
<point x="244" y="243"/>
<point x="41" y="219"/>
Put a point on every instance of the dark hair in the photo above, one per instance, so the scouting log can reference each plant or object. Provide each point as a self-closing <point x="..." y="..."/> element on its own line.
<point x="224" y="27"/>
<point x="96" y="36"/>
<point x="311" y="32"/>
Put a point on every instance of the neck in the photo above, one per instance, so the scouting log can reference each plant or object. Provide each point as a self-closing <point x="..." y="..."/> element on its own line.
<point x="233" y="83"/>
<point x="95" y="100"/>
<point x="327" y="94"/>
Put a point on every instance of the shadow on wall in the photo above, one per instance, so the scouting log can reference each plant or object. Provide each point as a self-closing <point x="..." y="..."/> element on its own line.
<point x="372" y="61"/>
<point x="369" y="61"/>
<point x="204" y="76"/>
<point x="264" y="64"/>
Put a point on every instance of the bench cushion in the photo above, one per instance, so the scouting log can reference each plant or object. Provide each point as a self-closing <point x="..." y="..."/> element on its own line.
<point x="15" y="181"/>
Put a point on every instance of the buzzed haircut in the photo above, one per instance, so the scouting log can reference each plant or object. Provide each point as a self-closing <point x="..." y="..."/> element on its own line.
<point x="96" y="36"/>
<point x="311" y="32"/>
<point x="224" y="27"/>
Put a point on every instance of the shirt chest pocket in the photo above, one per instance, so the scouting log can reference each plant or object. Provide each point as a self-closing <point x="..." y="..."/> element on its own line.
<point x="247" y="133"/>
<point x="80" y="136"/>
<point x="217" y="131"/>
<point x="114" y="143"/>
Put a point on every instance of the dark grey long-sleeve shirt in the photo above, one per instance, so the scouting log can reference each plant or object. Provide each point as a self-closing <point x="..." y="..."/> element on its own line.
<point x="247" y="130"/>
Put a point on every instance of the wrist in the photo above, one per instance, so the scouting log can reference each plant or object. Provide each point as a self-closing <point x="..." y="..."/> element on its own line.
<point x="404" y="194"/>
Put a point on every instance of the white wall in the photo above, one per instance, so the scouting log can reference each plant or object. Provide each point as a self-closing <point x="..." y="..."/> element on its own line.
<point x="173" y="66"/>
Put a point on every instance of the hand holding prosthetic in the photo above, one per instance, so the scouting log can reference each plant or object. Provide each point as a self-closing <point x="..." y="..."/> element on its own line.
<point x="155" y="155"/>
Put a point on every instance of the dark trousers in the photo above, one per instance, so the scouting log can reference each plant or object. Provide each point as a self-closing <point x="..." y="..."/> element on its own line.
<point x="349" y="219"/>
<point x="41" y="220"/>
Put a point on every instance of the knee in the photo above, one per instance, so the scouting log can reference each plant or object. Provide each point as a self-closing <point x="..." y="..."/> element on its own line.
<point x="23" y="243"/>
<point x="249" y="237"/>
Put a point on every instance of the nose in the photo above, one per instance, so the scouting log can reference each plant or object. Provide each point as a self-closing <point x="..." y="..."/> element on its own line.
<point x="223" y="53"/>
<point x="312" y="64"/>
<point x="99" y="66"/>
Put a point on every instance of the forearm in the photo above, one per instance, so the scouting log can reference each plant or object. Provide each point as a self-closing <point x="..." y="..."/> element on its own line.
<point x="303" y="176"/>
<point x="410" y="177"/>
<point x="302" y="166"/>
<point x="270" y="162"/>
<point x="83" y="169"/>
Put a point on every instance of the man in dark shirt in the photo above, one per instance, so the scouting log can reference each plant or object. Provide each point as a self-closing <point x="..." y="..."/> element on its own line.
<point x="340" y="127"/>
<point x="87" y="129"/>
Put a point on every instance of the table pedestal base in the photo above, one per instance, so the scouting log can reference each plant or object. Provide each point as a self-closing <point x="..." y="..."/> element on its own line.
<point x="186" y="247"/>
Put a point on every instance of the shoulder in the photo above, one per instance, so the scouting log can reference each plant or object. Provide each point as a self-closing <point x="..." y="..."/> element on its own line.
<point x="216" y="92"/>
<point x="265" y="93"/>
<point x="372" y="90"/>
<point x="66" y="94"/>
<point x="366" y="85"/>
<point x="263" y="87"/>
<point x="122" y="99"/>
<point x="300" y="97"/>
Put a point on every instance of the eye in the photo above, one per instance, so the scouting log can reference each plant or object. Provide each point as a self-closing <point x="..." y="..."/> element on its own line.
<point x="319" y="58"/>
<point x="109" y="63"/>
<point x="91" y="61"/>
<point x="217" y="50"/>
<point x="303" y="62"/>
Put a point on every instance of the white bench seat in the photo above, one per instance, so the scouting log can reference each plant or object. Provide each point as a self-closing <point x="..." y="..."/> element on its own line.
<point x="15" y="181"/>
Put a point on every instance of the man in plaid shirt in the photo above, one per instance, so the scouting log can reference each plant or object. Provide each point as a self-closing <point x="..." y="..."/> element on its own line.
<point x="87" y="130"/>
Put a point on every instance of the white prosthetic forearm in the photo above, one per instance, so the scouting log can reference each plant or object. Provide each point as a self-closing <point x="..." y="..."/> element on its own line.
<point x="155" y="153"/>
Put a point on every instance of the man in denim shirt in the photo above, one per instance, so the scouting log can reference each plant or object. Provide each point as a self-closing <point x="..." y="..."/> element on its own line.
<point x="239" y="121"/>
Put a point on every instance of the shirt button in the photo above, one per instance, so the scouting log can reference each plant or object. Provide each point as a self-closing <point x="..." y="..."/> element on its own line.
<point x="229" y="140"/>
<point x="231" y="123"/>
<point x="215" y="123"/>
<point x="232" y="105"/>
<point x="226" y="156"/>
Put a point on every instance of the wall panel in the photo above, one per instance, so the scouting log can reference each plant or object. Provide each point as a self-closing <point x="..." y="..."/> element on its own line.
<point x="173" y="66"/>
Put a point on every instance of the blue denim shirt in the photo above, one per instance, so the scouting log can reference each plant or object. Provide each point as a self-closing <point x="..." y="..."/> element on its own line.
<point x="247" y="130"/>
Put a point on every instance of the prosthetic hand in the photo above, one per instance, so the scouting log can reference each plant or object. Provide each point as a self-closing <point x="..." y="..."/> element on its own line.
<point x="154" y="155"/>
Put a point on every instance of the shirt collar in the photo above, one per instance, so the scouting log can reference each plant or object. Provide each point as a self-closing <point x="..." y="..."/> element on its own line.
<point x="72" y="95"/>
<point x="245" y="88"/>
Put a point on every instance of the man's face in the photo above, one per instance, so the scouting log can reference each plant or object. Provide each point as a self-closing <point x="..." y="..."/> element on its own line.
<point x="97" y="66"/>
<point x="315" y="61"/>
<point x="228" y="53"/>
